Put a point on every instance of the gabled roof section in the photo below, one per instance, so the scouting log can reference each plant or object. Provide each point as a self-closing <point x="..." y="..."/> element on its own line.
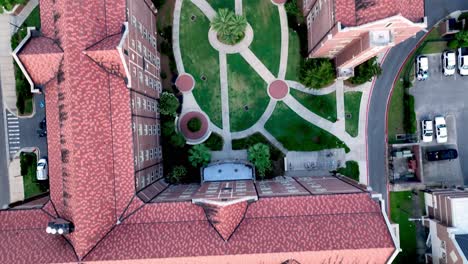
<point x="23" y="239"/>
<point x="225" y="219"/>
<point x="106" y="55"/>
<point x="41" y="57"/>
<point x="359" y="12"/>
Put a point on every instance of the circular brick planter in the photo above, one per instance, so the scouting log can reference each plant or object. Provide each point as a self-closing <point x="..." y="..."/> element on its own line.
<point x="231" y="49"/>
<point x="196" y="137"/>
<point x="185" y="83"/>
<point x="278" y="89"/>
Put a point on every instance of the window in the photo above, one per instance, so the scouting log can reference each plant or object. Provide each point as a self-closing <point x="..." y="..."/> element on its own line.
<point x="134" y="71"/>
<point x="140" y="27"/>
<point x="141" y="77"/>
<point x="146" y="130"/>
<point x="158" y="63"/>
<point x="133" y="20"/>
<point x="147" y="154"/>
<point x="150" y="82"/>
<point x="133" y="44"/>
<point x="136" y="160"/>
<point x="142" y="156"/>
<point x="140" y="129"/>
<point x="133" y="103"/>
<point x="159" y="129"/>
<point x="133" y="127"/>
<point x="142" y="181"/>
<point x="158" y="86"/>
<point x="151" y="153"/>
<point x="136" y="183"/>
<point x="138" y="102"/>
<point x="149" y="105"/>
<point x="139" y="46"/>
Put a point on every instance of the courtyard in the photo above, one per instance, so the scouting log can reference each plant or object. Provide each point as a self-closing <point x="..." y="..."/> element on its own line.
<point x="252" y="87"/>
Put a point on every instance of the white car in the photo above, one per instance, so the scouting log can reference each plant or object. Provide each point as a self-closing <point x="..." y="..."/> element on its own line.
<point x="463" y="61"/>
<point x="422" y="67"/>
<point x="441" y="129"/>
<point x="42" y="172"/>
<point x="427" y="130"/>
<point x="449" y="62"/>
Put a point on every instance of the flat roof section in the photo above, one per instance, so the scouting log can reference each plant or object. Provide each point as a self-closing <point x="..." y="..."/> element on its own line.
<point x="280" y="186"/>
<point x="177" y="193"/>
<point x="326" y="185"/>
<point x="226" y="191"/>
<point x="228" y="171"/>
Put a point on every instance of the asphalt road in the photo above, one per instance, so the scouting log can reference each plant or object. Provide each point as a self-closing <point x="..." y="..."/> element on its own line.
<point x="435" y="10"/>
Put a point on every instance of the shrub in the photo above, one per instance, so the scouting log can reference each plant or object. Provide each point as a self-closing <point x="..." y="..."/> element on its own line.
<point x="453" y="44"/>
<point x="199" y="155"/>
<point x="215" y="142"/>
<point x="168" y="104"/>
<point x="177" y="140"/>
<point x="168" y="128"/>
<point x="351" y="170"/>
<point x="365" y="71"/>
<point x="229" y="26"/>
<point x="259" y="155"/>
<point x="462" y="38"/>
<point x="194" y="124"/>
<point x="158" y="3"/>
<point x="176" y="175"/>
<point x="9" y="4"/>
<point x="317" y="73"/>
<point x="163" y="75"/>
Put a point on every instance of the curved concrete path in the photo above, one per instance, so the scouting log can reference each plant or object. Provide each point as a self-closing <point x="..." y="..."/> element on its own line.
<point x="300" y="87"/>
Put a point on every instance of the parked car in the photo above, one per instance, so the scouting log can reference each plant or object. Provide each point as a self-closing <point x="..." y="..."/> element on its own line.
<point x="441" y="129"/>
<point x="427" y="130"/>
<point x="446" y="154"/>
<point x="422" y="68"/>
<point x="449" y="63"/>
<point x="463" y="61"/>
<point x="42" y="172"/>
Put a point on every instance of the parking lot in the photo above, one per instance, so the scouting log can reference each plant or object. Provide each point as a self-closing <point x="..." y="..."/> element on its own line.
<point x="446" y="96"/>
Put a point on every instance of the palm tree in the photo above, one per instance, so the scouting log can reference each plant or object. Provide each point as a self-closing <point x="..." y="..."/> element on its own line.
<point x="237" y="26"/>
<point x="259" y="155"/>
<point x="220" y="22"/>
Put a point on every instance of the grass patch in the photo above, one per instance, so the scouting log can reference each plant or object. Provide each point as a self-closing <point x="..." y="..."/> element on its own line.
<point x="352" y="102"/>
<point x="277" y="157"/>
<point x="246" y="88"/>
<point x="351" y="170"/>
<point x="434" y="47"/>
<point x="297" y="134"/>
<point x="219" y="4"/>
<point x="294" y="57"/>
<point x="215" y="142"/>
<point x="400" y="209"/>
<point x="264" y="19"/>
<point x="322" y="105"/>
<point x="32" y="187"/>
<point x="200" y="59"/>
<point x="401" y="115"/>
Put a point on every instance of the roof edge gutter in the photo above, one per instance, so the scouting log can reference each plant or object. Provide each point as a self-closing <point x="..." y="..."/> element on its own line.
<point x="395" y="238"/>
<point x="20" y="64"/>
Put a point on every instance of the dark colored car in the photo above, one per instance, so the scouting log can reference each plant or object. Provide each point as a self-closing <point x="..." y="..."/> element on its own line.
<point x="446" y="154"/>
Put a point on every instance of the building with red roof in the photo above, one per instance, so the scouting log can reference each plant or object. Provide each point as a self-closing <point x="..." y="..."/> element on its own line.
<point x="98" y="66"/>
<point x="353" y="31"/>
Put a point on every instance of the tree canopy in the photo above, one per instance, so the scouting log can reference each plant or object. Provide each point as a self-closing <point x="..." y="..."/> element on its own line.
<point x="199" y="155"/>
<point x="317" y="73"/>
<point x="9" y="4"/>
<point x="168" y="104"/>
<point x="177" y="173"/>
<point x="229" y="26"/>
<point x="259" y="155"/>
<point x="365" y="71"/>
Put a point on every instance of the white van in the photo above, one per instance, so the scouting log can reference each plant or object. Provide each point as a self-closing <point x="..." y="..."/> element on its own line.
<point x="42" y="172"/>
<point x="422" y="68"/>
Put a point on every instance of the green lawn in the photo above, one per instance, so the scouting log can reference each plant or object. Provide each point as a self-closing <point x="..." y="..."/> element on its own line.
<point x="294" y="57"/>
<point x="434" y="47"/>
<point x="200" y="59"/>
<point x="34" y="19"/>
<point x="219" y="4"/>
<point x="263" y="16"/>
<point x="351" y="170"/>
<point x="297" y="134"/>
<point x="246" y="88"/>
<point x="401" y="115"/>
<point x="32" y="187"/>
<point x="352" y="105"/>
<point x="400" y="208"/>
<point x="322" y="105"/>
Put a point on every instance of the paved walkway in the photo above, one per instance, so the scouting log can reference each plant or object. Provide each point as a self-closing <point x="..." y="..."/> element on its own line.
<point x="284" y="42"/>
<point x="176" y="39"/>
<point x="7" y="73"/>
<point x="357" y="145"/>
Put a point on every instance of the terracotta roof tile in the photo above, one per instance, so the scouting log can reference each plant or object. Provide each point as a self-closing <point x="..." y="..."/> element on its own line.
<point x="225" y="219"/>
<point x="358" y="12"/>
<point x="105" y="54"/>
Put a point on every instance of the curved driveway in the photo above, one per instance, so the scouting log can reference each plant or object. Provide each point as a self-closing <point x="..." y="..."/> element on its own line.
<point x="435" y="10"/>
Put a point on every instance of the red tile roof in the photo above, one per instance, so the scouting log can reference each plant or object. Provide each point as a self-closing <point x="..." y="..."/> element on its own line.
<point x="41" y="57"/>
<point x="358" y="12"/>
<point x="24" y="240"/>
<point x="225" y="219"/>
<point x="105" y="54"/>
<point x="272" y="225"/>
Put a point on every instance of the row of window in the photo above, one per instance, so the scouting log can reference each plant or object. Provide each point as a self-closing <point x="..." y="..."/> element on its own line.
<point x="144" y="32"/>
<point x="149" y="81"/>
<point x="147" y="155"/>
<point x="147" y="130"/>
<point x="144" y="180"/>
<point x="147" y="54"/>
<point x="145" y="104"/>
